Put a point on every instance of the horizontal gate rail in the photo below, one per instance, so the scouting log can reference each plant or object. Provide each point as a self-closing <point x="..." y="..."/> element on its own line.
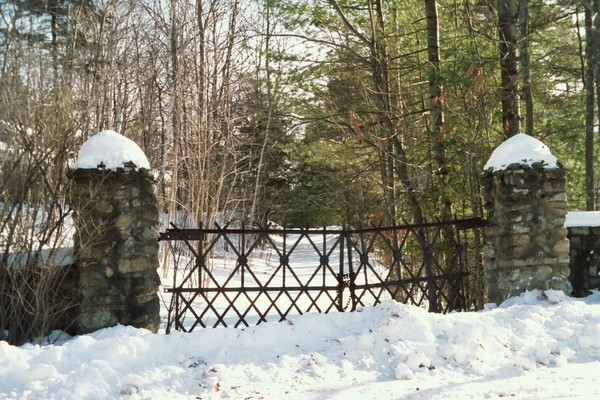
<point x="176" y="233"/>
<point x="435" y="265"/>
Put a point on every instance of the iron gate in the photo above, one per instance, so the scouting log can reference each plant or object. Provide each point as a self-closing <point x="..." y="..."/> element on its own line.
<point x="217" y="280"/>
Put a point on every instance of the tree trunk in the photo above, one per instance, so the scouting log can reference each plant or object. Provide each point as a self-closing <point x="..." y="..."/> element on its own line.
<point x="437" y="126"/>
<point x="595" y="61"/>
<point x="173" y="135"/>
<point x="507" y="29"/>
<point x="436" y="93"/>
<point x="588" y="81"/>
<point x="435" y="86"/>
<point x="524" y="47"/>
<point x="261" y="173"/>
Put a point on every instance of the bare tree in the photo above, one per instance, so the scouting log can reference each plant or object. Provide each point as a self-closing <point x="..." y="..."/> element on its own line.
<point x="40" y="119"/>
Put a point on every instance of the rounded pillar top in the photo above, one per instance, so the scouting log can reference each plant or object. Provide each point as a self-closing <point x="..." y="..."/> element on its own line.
<point x="521" y="150"/>
<point x="109" y="150"/>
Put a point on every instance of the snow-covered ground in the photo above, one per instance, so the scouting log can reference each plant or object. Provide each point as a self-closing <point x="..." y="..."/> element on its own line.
<point x="537" y="346"/>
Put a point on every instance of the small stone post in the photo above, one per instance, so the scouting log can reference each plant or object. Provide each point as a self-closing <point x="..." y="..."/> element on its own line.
<point x="115" y="242"/>
<point x="584" y="237"/>
<point x="526" y="245"/>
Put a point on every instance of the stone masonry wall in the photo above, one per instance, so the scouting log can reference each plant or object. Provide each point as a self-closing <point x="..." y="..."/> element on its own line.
<point x="116" y="249"/>
<point x="585" y="258"/>
<point x="526" y="242"/>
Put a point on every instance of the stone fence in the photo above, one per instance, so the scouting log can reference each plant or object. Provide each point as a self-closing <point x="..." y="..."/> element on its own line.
<point x="531" y="241"/>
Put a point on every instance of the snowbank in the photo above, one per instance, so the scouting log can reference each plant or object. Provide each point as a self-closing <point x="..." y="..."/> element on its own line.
<point x="539" y="345"/>
<point x="59" y="257"/>
<point x="110" y="150"/>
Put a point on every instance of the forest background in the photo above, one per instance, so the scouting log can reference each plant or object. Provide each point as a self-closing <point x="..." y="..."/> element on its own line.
<point x="300" y="112"/>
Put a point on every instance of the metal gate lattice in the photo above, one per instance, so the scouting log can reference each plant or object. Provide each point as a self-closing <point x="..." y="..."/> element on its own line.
<point x="216" y="281"/>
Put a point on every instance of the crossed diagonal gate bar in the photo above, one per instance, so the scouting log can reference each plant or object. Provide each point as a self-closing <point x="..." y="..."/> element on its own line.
<point x="220" y="278"/>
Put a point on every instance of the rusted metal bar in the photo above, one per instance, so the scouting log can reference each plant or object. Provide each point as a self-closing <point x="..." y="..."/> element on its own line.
<point x="198" y="234"/>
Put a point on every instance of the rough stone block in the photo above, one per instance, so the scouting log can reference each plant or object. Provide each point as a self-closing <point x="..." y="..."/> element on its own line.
<point x="150" y="233"/>
<point x="143" y="299"/>
<point x="131" y="265"/>
<point x="559" y="197"/>
<point x="561" y="247"/>
<point x="103" y="207"/>
<point x="151" y="248"/>
<point x="563" y="259"/>
<point x="92" y="253"/>
<point x="560" y="283"/>
<point x="580" y="231"/>
<point x="521" y="240"/>
<point x="109" y="271"/>
<point x="543" y="272"/>
<point x="93" y="279"/>
<point x="518" y="228"/>
<point x="124" y="221"/>
<point x="146" y="315"/>
<point x="135" y="202"/>
<point x="92" y="320"/>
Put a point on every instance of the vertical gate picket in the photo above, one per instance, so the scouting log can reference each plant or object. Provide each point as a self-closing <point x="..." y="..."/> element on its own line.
<point x="345" y="276"/>
<point x="460" y="301"/>
<point x="174" y="300"/>
<point x="340" y="274"/>
<point x="199" y="261"/>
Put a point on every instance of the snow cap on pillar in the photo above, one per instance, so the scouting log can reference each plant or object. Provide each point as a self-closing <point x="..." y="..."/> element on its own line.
<point x="521" y="149"/>
<point x="110" y="150"/>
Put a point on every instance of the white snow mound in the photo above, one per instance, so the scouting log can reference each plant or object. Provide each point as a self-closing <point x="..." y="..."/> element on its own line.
<point x="110" y="150"/>
<point x="521" y="149"/>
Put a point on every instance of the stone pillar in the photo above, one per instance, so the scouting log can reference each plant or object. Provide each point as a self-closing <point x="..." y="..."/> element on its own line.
<point x="116" y="248"/>
<point x="526" y="245"/>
